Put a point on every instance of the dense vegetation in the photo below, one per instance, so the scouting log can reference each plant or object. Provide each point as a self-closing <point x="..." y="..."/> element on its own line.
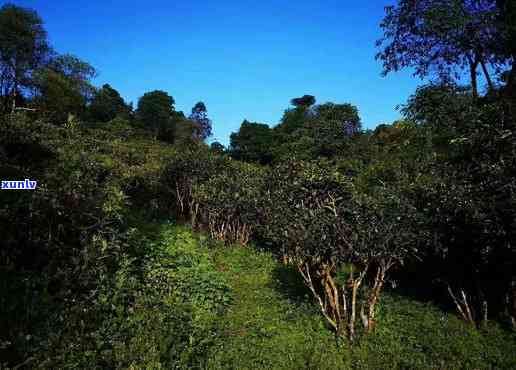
<point x="311" y="244"/>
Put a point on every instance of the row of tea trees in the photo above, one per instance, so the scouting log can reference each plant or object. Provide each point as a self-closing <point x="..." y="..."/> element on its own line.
<point x="337" y="236"/>
<point x="437" y="187"/>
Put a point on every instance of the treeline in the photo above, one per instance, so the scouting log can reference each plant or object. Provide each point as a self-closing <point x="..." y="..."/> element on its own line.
<point x="426" y="203"/>
<point x="306" y="131"/>
<point x="57" y="88"/>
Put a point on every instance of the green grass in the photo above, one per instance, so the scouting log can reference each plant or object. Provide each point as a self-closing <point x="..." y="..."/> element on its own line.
<point x="263" y="328"/>
<point x="271" y="322"/>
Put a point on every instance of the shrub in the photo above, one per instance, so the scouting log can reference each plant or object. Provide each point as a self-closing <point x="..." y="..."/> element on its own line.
<point x="158" y="310"/>
<point x="229" y="203"/>
<point x="189" y="168"/>
<point x="336" y="238"/>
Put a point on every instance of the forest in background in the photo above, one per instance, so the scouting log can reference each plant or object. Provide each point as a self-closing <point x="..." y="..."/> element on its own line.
<point x="141" y="246"/>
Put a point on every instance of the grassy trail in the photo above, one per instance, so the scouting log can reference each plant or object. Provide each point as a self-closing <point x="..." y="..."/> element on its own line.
<point x="264" y="328"/>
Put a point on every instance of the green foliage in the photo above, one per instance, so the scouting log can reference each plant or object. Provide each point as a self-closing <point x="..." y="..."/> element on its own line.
<point x="272" y="324"/>
<point x="304" y="133"/>
<point x="155" y="109"/>
<point x="441" y="37"/>
<point x="63" y="241"/>
<point x="444" y="107"/>
<point x="51" y="252"/>
<point x="217" y="148"/>
<point x="107" y="104"/>
<point x="183" y="132"/>
<point x="303" y="199"/>
<point x="200" y="117"/>
<point x="305" y="101"/>
<point x="63" y="88"/>
<point x="252" y="143"/>
<point x="157" y="310"/>
<point x="23" y="49"/>
<point x="346" y="115"/>
<point x="419" y="335"/>
<point x="228" y="203"/>
<point x="325" y="225"/>
<point x="218" y="194"/>
<point x="90" y="279"/>
<point x="292" y="120"/>
<point x="265" y="327"/>
<point x="187" y="170"/>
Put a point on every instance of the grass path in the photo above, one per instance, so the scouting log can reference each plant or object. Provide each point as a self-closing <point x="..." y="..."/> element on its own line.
<point x="264" y="329"/>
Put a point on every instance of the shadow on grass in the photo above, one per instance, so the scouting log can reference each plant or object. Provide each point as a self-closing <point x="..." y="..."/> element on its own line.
<point x="287" y="281"/>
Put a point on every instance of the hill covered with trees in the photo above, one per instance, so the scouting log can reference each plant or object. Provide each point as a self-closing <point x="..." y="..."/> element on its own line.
<point x="315" y="243"/>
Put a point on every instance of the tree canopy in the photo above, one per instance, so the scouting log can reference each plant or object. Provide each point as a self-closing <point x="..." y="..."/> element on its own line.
<point x="442" y="38"/>
<point x="253" y="143"/>
<point x="107" y="104"/>
<point x="155" y="109"/>
<point x="199" y="115"/>
<point x="23" y="49"/>
<point x="305" y="101"/>
<point x="62" y="87"/>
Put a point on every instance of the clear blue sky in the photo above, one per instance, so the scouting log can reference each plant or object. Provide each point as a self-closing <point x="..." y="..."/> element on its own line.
<point x="244" y="59"/>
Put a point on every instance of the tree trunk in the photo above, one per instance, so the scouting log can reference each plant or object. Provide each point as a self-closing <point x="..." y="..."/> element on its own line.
<point x="486" y="74"/>
<point x="484" y="312"/>
<point x="285" y="259"/>
<point x="462" y="306"/>
<point x="374" y="297"/>
<point x="304" y="269"/>
<point x="512" y="303"/>
<point x="353" y="311"/>
<point x="13" y="109"/>
<point x="473" y="74"/>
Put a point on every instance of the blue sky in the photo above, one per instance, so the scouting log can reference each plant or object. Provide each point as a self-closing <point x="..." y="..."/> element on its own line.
<point x="244" y="59"/>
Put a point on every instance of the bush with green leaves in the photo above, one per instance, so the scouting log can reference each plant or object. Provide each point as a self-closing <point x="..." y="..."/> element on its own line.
<point x="337" y="238"/>
<point x="64" y="240"/>
<point x="185" y="171"/>
<point x="458" y="167"/>
<point x="59" y="239"/>
<point x="229" y="203"/>
<point x="217" y="194"/>
<point x="158" y="310"/>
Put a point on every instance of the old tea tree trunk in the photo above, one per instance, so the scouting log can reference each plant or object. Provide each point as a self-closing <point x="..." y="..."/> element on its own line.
<point x="363" y="252"/>
<point x="341" y="303"/>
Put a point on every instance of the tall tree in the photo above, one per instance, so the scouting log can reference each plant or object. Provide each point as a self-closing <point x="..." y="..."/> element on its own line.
<point x="200" y="116"/>
<point x="107" y="104"/>
<point x="217" y="147"/>
<point x="155" y="110"/>
<point x="508" y="21"/>
<point x="442" y="37"/>
<point x="306" y="101"/>
<point x="63" y="87"/>
<point x="77" y="71"/>
<point x="446" y="107"/>
<point x="183" y="131"/>
<point x="508" y="26"/>
<point x="252" y="143"/>
<point x="346" y="115"/>
<point x="294" y="118"/>
<point x="23" y="49"/>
